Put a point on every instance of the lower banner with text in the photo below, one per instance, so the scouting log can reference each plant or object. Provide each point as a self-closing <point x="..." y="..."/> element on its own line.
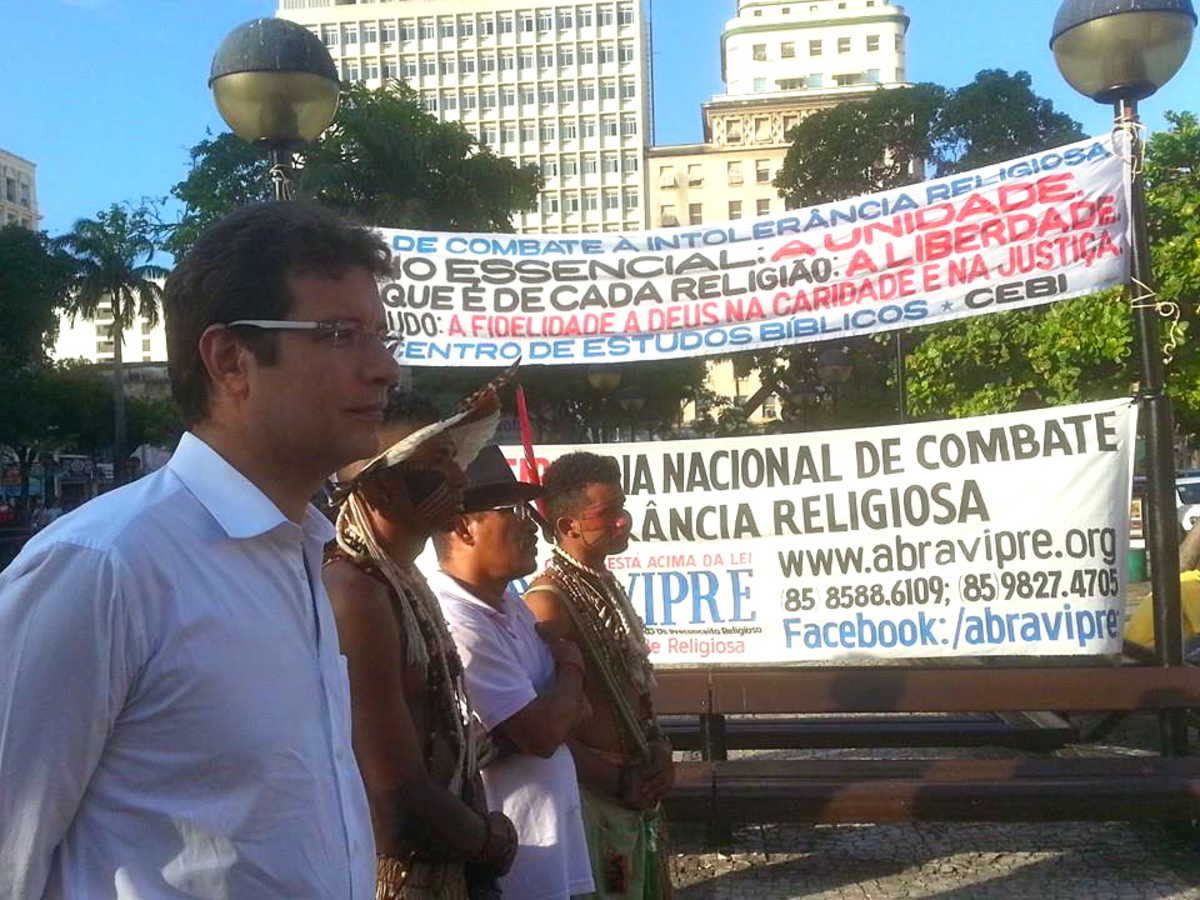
<point x="999" y="535"/>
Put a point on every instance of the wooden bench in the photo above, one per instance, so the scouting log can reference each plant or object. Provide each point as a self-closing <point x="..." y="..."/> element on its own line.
<point x="888" y="790"/>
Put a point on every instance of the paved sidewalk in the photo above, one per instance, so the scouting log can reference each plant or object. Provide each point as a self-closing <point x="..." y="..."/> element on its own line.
<point x="1072" y="861"/>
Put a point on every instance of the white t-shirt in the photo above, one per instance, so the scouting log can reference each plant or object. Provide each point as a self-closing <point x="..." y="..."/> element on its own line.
<point x="507" y="665"/>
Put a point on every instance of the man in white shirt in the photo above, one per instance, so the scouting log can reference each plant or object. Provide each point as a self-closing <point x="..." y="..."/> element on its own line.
<point x="174" y="711"/>
<point x="528" y="694"/>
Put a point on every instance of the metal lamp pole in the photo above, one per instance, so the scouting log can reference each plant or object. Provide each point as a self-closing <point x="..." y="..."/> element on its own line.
<point x="1120" y="52"/>
<point x="277" y="88"/>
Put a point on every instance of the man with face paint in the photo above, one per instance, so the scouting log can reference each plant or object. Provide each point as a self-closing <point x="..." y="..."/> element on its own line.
<point x="623" y="760"/>
<point x="412" y="726"/>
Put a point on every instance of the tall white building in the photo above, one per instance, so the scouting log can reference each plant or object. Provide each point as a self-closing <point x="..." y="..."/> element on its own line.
<point x="18" y="191"/>
<point x="565" y="86"/>
<point x="92" y="339"/>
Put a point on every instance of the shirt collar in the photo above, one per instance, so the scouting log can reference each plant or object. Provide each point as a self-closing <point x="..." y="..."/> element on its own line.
<point x="459" y="591"/>
<point x="239" y="506"/>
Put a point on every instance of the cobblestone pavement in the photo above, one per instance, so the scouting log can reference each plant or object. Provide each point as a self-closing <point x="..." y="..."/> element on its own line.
<point x="1089" y="861"/>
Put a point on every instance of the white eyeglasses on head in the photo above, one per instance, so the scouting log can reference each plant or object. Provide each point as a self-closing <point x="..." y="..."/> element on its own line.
<point x="337" y="333"/>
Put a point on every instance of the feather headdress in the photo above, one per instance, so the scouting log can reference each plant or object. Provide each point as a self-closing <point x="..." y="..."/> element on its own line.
<point x="470" y="426"/>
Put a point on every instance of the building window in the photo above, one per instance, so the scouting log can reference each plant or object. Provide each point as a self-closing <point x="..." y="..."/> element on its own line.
<point x="426" y="30"/>
<point x="487" y="26"/>
<point x="506" y="24"/>
<point x="762" y="171"/>
<point x="428" y="65"/>
<point x="735" y="209"/>
<point x="525" y="60"/>
<point x="666" y="176"/>
<point x="466" y="64"/>
<point x="349" y="34"/>
<point x="389" y="32"/>
<point x="630" y="162"/>
<point x="572" y="203"/>
<point x="488" y="100"/>
<point x="695" y="213"/>
<point x="409" y="65"/>
<point x="587" y="54"/>
<point x="469" y="100"/>
<point x="587" y="165"/>
<point x="584" y="16"/>
<point x="547" y="131"/>
<point x="608" y="90"/>
<point x="567" y="132"/>
<point x="630" y="200"/>
<point x="608" y="53"/>
<point x="608" y="127"/>
<point x="590" y="202"/>
<point x="609" y="164"/>
<point x="545" y="59"/>
<point x="816" y="80"/>
<point x="604" y="16"/>
<point x="329" y="36"/>
<point x="762" y="128"/>
<point x="814" y="48"/>
<point x="666" y="214"/>
<point x="545" y="21"/>
<point x="872" y="42"/>
<point x="446" y="28"/>
<point x="566" y="19"/>
<point x="695" y="173"/>
<point x="587" y="90"/>
<point x="549" y="204"/>
<point x="733" y="131"/>
<point x="873" y="76"/>
<point x="508" y="96"/>
<point x="508" y="62"/>
<point x="566" y="56"/>
<point x="487" y="63"/>
<point x="760" y="52"/>
<point x="789" y="122"/>
<point x="612" y="200"/>
<point x="527" y="23"/>
<point x="371" y="68"/>
<point x="624" y="15"/>
<point x="545" y="94"/>
<point x="588" y="127"/>
<point x="429" y="101"/>
<point x="762" y="207"/>
<point x="844" y="45"/>
<point x="446" y="65"/>
<point x="625" y="53"/>
<point x="733" y="172"/>
<point x="370" y="33"/>
<point x="760" y="85"/>
<point x="466" y="27"/>
<point x="390" y="68"/>
<point x="550" y="167"/>
<point x="508" y="134"/>
<point x="787" y="50"/>
<point x="627" y="89"/>
<point x="527" y="132"/>
<point x="566" y="92"/>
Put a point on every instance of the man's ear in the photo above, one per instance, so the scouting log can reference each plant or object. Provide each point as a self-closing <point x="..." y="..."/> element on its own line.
<point x="564" y="526"/>
<point x="462" y="528"/>
<point x="227" y="361"/>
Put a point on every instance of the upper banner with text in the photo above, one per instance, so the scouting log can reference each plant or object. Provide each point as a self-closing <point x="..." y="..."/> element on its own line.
<point x="1035" y="230"/>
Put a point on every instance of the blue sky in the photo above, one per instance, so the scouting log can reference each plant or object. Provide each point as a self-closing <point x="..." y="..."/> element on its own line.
<point x="106" y="96"/>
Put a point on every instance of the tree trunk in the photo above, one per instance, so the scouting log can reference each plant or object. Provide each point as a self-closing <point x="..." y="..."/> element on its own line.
<point x="120" y="453"/>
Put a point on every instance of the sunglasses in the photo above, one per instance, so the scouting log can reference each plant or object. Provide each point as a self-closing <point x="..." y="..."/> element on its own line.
<point x="523" y="511"/>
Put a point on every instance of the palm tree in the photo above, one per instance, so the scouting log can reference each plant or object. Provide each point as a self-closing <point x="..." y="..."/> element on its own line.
<point x="113" y="254"/>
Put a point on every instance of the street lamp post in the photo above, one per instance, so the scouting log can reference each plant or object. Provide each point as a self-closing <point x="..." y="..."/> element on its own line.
<point x="603" y="380"/>
<point x="834" y="368"/>
<point x="1120" y="52"/>
<point x="276" y="86"/>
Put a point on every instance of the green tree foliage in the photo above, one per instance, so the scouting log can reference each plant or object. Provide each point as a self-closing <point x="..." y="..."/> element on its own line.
<point x="1080" y="349"/>
<point x="891" y="139"/>
<point x="384" y="161"/>
<point x="34" y="276"/>
<point x="114" y="274"/>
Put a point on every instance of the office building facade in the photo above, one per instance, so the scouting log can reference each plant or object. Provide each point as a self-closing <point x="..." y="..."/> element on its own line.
<point x="563" y="86"/>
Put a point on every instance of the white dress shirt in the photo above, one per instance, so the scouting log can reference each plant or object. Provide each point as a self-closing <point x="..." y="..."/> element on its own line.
<point x="506" y="665"/>
<point x="174" y="709"/>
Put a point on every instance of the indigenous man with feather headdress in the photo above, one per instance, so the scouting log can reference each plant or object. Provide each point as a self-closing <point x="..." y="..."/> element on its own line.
<point x="412" y="724"/>
<point x="623" y="760"/>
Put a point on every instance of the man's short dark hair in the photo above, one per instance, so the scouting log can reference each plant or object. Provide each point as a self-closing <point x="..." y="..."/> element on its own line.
<point x="238" y="269"/>
<point x="568" y="477"/>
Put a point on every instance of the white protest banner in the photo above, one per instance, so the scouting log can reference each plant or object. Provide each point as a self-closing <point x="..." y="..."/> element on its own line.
<point x="1035" y="230"/>
<point x="1000" y="535"/>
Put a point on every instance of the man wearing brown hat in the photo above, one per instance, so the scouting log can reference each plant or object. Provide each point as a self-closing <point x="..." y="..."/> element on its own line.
<point x="528" y="694"/>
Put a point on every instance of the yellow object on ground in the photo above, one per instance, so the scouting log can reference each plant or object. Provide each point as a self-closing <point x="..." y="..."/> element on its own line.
<point x="1140" y="628"/>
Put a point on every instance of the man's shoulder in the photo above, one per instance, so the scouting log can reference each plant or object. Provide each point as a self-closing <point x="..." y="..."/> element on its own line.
<point x="124" y="523"/>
